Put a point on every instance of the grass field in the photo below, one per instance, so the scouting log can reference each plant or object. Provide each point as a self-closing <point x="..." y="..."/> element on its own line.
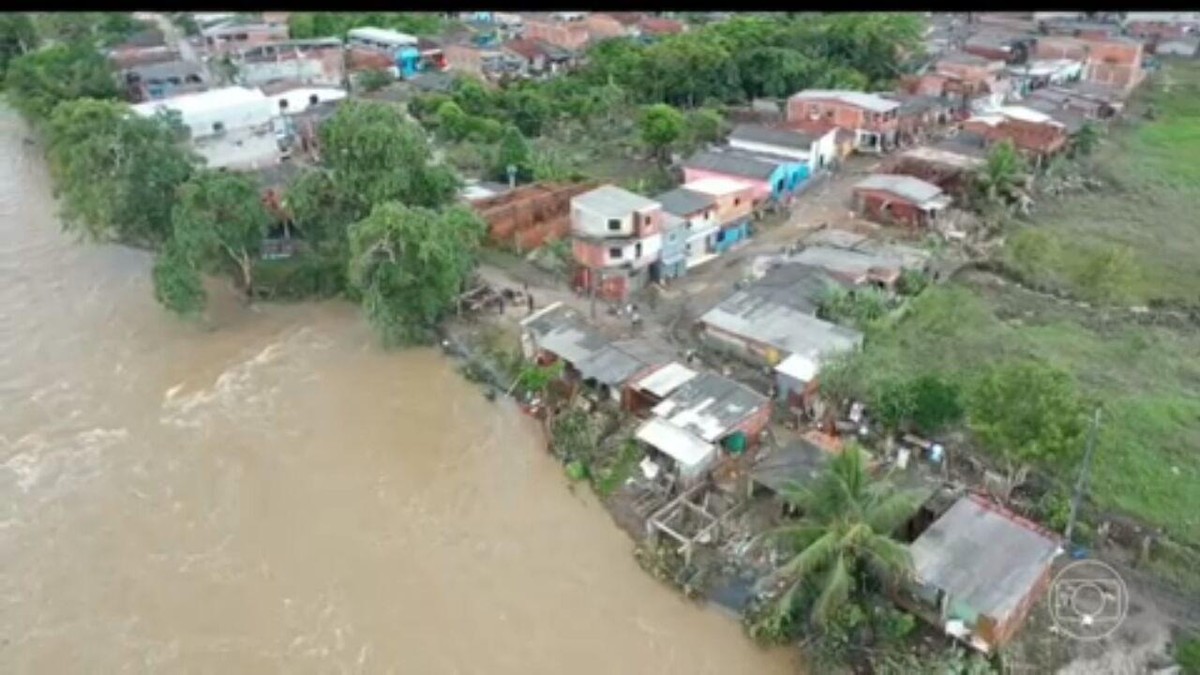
<point x="1151" y="212"/>
<point x="1147" y="462"/>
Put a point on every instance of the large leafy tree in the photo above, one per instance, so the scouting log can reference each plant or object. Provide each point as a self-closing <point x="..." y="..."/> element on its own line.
<point x="661" y="126"/>
<point x="409" y="263"/>
<point x="219" y="224"/>
<point x="1026" y="412"/>
<point x="841" y="541"/>
<point x="375" y="155"/>
<point x="18" y="36"/>
<point x="38" y="81"/>
<point x="513" y="151"/>
<point x="116" y="173"/>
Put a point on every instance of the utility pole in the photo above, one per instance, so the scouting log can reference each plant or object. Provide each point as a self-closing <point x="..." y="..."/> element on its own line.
<point x="1083" y="473"/>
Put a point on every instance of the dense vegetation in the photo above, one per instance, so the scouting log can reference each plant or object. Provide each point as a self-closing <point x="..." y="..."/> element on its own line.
<point x="303" y="25"/>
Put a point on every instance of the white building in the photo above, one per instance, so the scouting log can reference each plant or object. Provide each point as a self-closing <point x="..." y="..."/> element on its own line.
<point x="233" y="127"/>
<point x="818" y="151"/>
<point x="300" y="99"/>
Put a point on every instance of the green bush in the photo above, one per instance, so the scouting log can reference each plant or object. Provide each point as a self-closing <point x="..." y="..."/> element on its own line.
<point x="1187" y="655"/>
<point x="300" y="277"/>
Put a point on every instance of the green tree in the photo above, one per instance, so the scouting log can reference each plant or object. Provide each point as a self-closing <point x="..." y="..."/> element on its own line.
<point x="660" y="127"/>
<point x="18" y="36"/>
<point x="452" y="123"/>
<point x="1026" y="412"/>
<point x="1003" y="174"/>
<point x="374" y="80"/>
<point x="841" y="542"/>
<point x="936" y="403"/>
<point x="409" y="264"/>
<point x="38" y="81"/>
<point x="375" y="155"/>
<point x="178" y="285"/>
<point x="529" y="110"/>
<point x="513" y="151"/>
<point x="116" y="174"/>
<point x="219" y="224"/>
<point x="704" y="126"/>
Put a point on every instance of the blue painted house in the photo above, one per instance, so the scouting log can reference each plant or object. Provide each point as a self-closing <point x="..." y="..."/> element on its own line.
<point x="672" y="262"/>
<point x="773" y="177"/>
<point x="699" y="214"/>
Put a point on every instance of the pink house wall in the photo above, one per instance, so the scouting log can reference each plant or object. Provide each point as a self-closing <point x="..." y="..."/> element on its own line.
<point x="760" y="189"/>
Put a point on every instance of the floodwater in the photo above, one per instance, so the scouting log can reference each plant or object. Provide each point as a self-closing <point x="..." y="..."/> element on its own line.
<point x="278" y="494"/>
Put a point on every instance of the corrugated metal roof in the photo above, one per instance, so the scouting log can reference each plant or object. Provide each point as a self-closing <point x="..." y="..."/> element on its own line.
<point x="611" y="201"/>
<point x="872" y="102"/>
<point x="983" y="556"/>
<point x="666" y="379"/>
<point x="788" y="330"/>
<point x="914" y="190"/>
<point x="563" y="332"/>
<point x="845" y="263"/>
<point x="684" y="202"/>
<point x="732" y="165"/>
<point x="784" y="138"/>
<point x="678" y="444"/>
<point x="710" y="406"/>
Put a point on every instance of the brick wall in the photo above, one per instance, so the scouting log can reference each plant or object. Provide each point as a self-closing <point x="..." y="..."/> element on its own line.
<point x="884" y="207"/>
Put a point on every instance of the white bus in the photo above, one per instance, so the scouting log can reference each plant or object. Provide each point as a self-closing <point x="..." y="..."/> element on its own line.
<point x="379" y="38"/>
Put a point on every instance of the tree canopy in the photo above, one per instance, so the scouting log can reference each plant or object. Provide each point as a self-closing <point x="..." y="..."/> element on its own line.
<point x="38" y="81"/>
<point x="18" y="36"/>
<point x="661" y="126"/>
<point x="409" y="264"/>
<point x="374" y="155"/>
<point x="303" y="25"/>
<point x="1026" y="412"/>
<point x="842" y="536"/>
<point x="116" y="173"/>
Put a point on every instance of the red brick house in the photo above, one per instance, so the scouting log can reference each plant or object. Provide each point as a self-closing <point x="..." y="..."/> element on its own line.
<point x="902" y="200"/>
<point x="1036" y="134"/>
<point x="873" y="119"/>
<point x="572" y="35"/>
<point x="1114" y="62"/>
<point x="978" y="570"/>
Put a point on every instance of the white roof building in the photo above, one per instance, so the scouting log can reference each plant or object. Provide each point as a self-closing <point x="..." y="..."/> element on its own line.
<point x="213" y="112"/>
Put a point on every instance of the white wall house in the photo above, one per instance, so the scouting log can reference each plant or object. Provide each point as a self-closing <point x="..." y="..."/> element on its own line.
<point x="213" y="112"/>
<point x="232" y="127"/>
<point x="818" y="151"/>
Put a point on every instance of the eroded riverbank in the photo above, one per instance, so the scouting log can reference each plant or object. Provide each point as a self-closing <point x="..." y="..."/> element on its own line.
<point x="281" y="495"/>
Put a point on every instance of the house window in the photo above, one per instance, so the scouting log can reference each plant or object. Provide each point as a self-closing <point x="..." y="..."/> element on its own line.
<point x="614" y="224"/>
<point x="737" y="201"/>
<point x="637" y="250"/>
<point x="283" y="104"/>
<point x="218" y="127"/>
<point x="313" y="100"/>
<point x="614" y="253"/>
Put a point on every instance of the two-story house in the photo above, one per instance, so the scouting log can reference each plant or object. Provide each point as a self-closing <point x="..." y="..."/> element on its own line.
<point x="698" y="211"/>
<point x="733" y="204"/>
<point x="771" y="177"/>
<point x="617" y="236"/>
<point x="872" y="118"/>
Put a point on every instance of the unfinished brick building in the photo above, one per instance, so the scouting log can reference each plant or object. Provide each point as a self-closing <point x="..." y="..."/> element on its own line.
<point x="531" y="215"/>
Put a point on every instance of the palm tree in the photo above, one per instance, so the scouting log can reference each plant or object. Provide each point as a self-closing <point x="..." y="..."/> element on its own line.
<point x="1003" y="175"/>
<point x="842" y="539"/>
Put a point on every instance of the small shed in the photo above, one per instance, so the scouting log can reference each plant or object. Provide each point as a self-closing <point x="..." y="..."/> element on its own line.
<point x="979" y="569"/>
<point x="896" y="198"/>
<point x="649" y="389"/>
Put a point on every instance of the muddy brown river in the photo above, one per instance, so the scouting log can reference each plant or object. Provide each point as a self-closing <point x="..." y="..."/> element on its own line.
<point x="279" y="495"/>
